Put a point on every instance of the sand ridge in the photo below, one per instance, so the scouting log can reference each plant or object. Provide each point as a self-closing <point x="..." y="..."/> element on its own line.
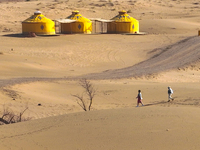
<point x="114" y="131"/>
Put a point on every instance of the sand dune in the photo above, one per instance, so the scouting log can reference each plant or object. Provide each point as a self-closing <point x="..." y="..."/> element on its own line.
<point x="46" y="70"/>
<point x="145" y="128"/>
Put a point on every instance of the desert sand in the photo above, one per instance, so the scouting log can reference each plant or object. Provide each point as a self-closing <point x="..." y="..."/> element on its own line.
<point x="46" y="70"/>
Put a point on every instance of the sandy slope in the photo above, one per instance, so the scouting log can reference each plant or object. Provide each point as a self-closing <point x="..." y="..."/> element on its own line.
<point x="46" y="70"/>
<point x="145" y="128"/>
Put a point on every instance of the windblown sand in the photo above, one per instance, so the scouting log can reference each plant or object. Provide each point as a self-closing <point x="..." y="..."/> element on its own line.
<point x="46" y="70"/>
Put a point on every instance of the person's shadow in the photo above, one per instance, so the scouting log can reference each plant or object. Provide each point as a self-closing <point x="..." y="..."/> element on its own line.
<point x="156" y="103"/>
<point x="159" y="102"/>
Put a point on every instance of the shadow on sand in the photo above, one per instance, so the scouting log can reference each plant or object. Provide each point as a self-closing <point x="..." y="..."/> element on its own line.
<point x="156" y="103"/>
<point x="159" y="102"/>
<point x="17" y="35"/>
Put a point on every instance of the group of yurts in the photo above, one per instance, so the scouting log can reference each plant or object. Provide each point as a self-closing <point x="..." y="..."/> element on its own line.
<point x="76" y="23"/>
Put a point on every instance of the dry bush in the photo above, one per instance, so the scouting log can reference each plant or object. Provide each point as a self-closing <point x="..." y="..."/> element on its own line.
<point x="8" y="116"/>
<point x="89" y="91"/>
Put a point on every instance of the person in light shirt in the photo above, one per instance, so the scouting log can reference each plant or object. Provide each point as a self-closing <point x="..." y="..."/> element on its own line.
<point x="170" y="92"/>
<point x="139" y="97"/>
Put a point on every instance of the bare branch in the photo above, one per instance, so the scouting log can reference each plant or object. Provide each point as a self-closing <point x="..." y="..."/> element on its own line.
<point x="5" y="112"/>
<point x="12" y="118"/>
<point x="21" y="113"/>
<point x="82" y="101"/>
<point x="4" y="121"/>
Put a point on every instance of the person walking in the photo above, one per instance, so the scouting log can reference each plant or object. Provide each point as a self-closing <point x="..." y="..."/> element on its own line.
<point x="170" y="92"/>
<point x="139" y="97"/>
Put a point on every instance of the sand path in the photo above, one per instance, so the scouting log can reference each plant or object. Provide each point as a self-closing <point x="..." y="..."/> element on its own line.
<point x="172" y="57"/>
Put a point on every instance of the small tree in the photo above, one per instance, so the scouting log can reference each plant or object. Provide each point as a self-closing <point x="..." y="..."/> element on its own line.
<point x="90" y="91"/>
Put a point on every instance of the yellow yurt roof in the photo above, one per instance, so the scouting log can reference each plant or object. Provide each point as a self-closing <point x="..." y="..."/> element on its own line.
<point x="37" y="17"/>
<point x="76" y="16"/>
<point x="123" y="17"/>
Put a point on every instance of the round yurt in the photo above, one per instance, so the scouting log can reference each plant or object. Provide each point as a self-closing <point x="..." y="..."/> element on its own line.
<point x="79" y="25"/>
<point x="38" y="24"/>
<point x="123" y="23"/>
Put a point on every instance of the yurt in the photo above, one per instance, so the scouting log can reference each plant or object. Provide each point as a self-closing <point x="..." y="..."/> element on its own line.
<point x="79" y="24"/>
<point x="38" y="24"/>
<point x="123" y="23"/>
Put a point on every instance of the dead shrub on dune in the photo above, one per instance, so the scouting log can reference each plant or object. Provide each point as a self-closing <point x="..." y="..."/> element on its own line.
<point x="8" y="116"/>
<point x="89" y="91"/>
